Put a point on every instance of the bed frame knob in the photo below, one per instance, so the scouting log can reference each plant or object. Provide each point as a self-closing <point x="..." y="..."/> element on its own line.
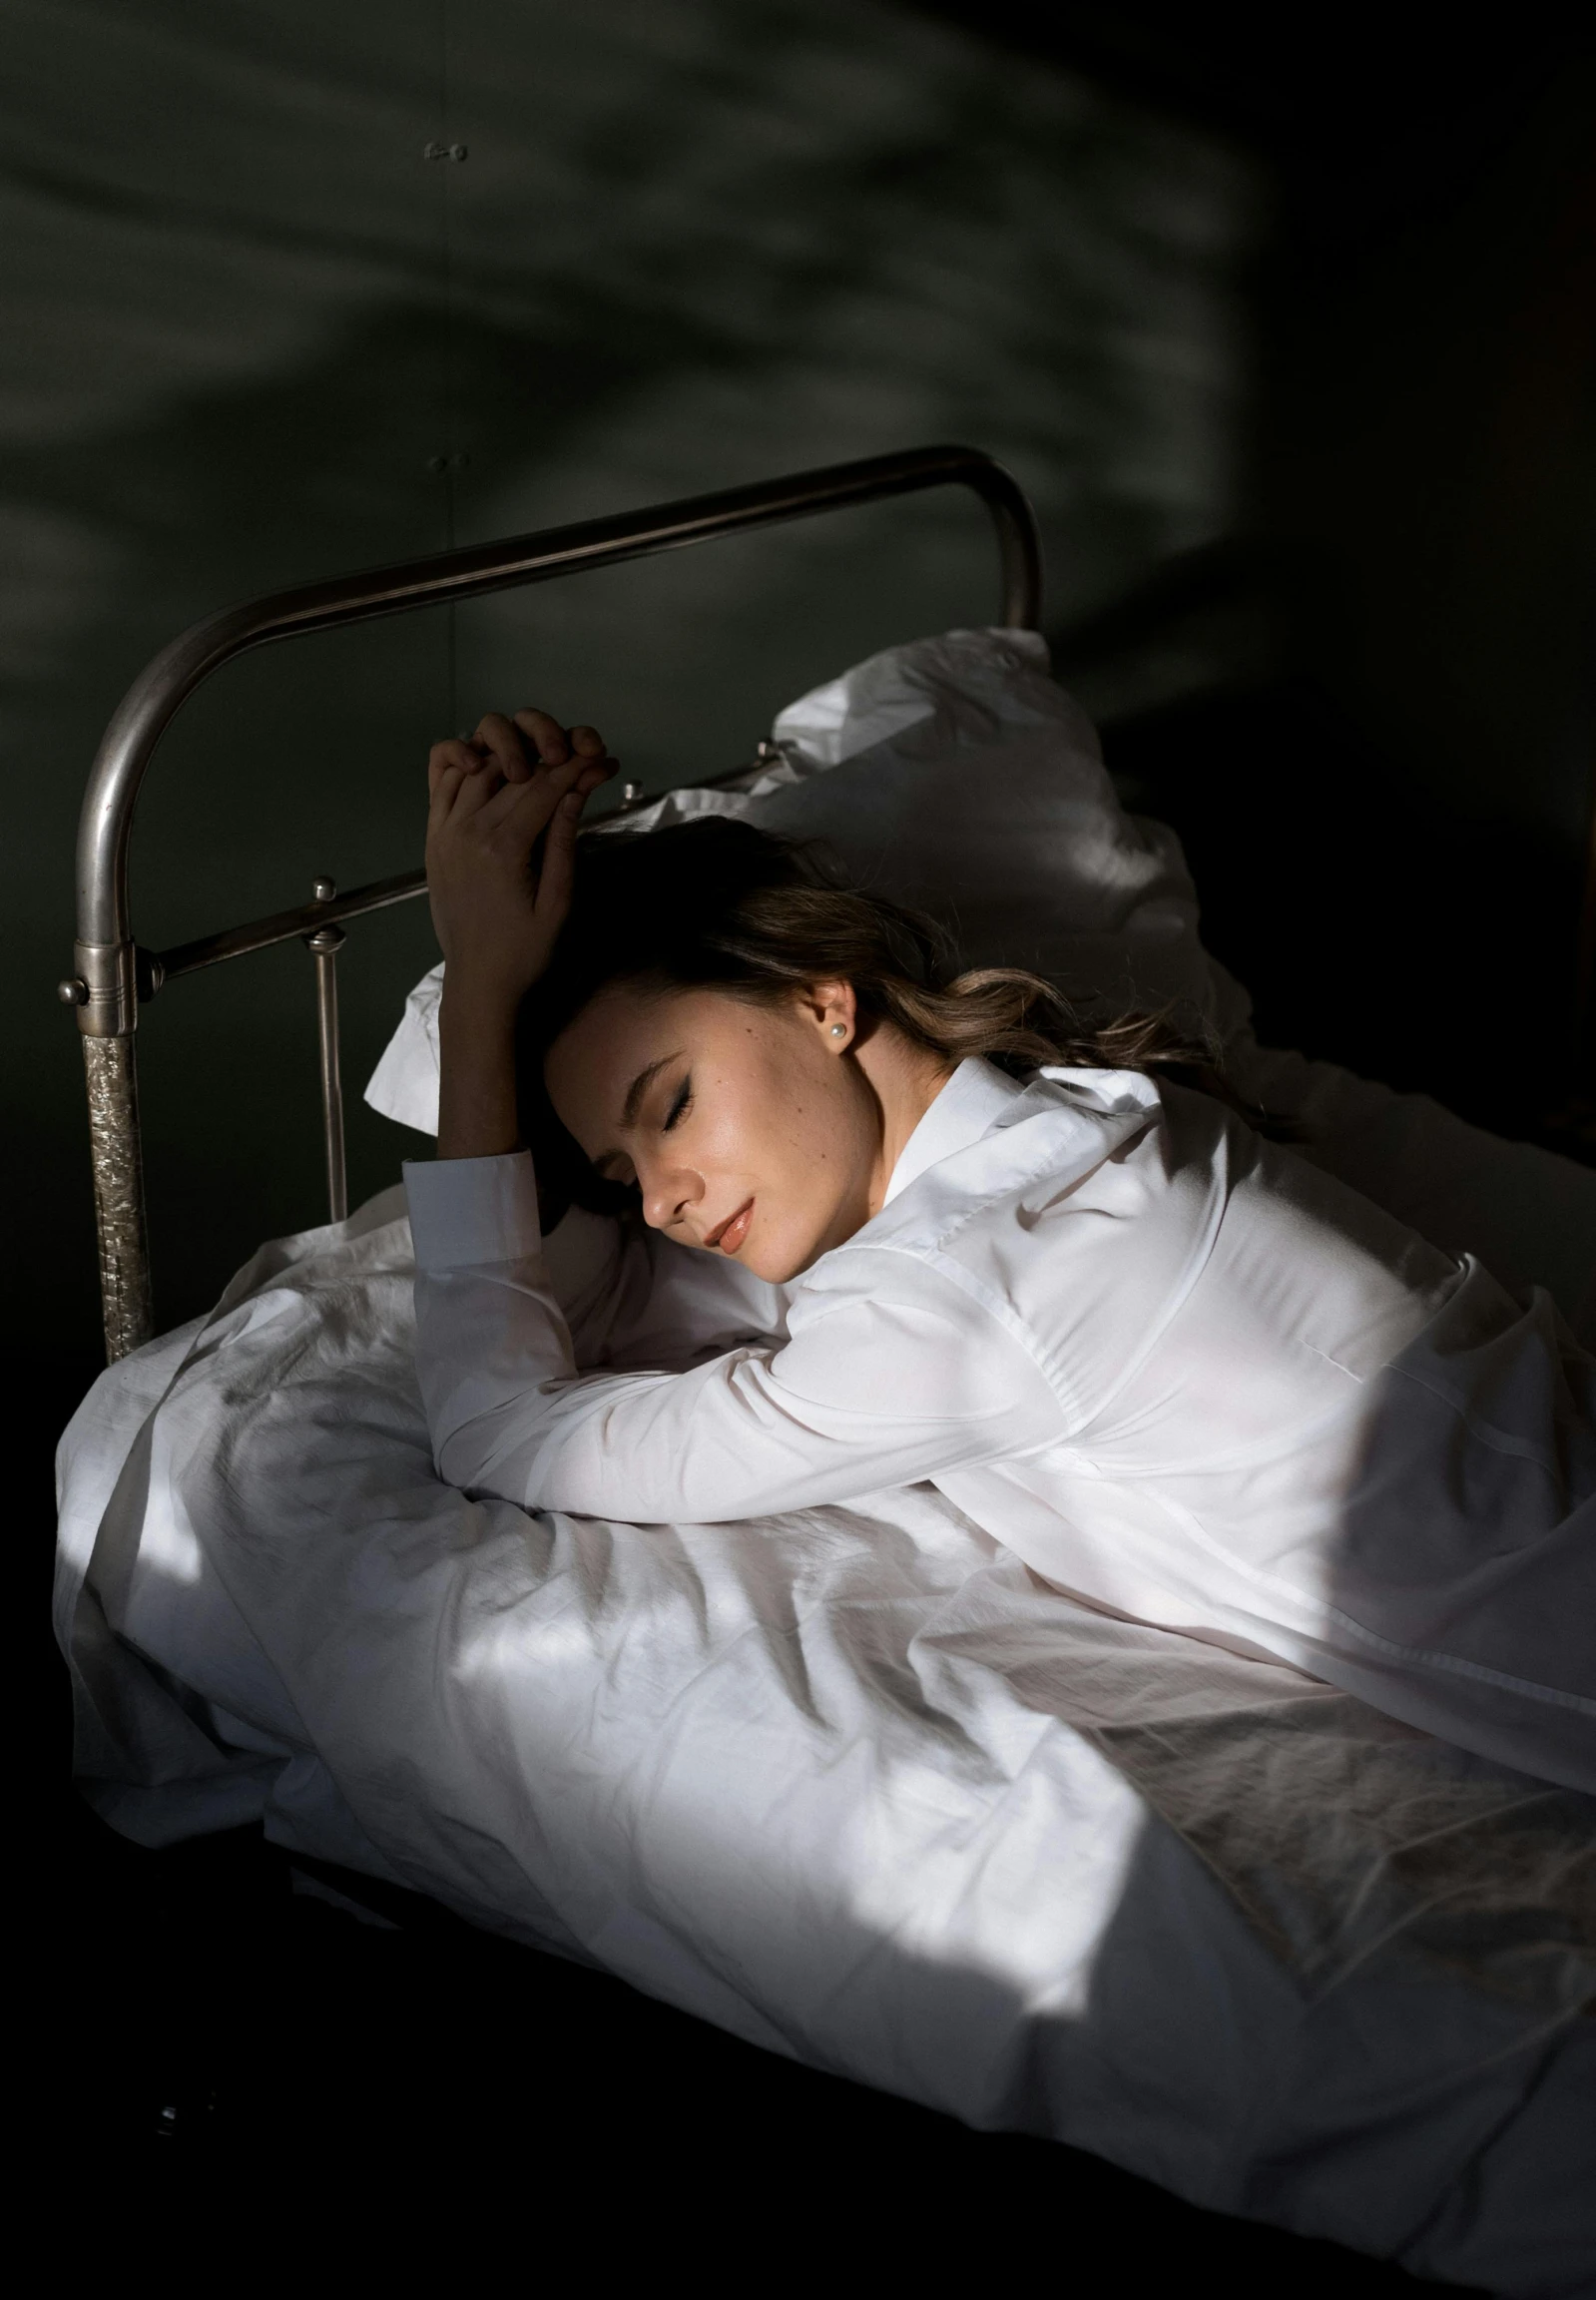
<point x="74" y="991"/>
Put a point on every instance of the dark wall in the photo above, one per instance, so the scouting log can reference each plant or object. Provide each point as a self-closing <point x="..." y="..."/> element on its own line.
<point x="256" y="337"/>
<point x="1295" y="380"/>
<point x="1427" y="472"/>
<point x="1387" y="790"/>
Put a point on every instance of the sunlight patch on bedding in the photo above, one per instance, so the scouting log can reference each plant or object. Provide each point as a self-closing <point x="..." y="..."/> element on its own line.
<point x="964" y="1895"/>
<point x="169" y="1548"/>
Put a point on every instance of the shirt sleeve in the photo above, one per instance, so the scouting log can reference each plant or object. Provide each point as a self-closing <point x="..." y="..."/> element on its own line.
<point x="890" y="1374"/>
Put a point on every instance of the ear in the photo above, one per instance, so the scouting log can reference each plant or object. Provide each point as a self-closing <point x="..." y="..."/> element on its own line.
<point x="832" y="1010"/>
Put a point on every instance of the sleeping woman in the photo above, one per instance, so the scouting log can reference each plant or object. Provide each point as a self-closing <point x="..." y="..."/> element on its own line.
<point x="896" y="1227"/>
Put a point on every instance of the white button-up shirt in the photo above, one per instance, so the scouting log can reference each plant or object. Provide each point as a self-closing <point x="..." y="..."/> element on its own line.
<point x="1180" y="1373"/>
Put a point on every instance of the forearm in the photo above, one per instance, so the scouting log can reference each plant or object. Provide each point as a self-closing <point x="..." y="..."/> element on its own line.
<point x="489" y="1329"/>
<point x="868" y="1392"/>
<point x="501" y="834"/>
<point x="478" y="1114"/>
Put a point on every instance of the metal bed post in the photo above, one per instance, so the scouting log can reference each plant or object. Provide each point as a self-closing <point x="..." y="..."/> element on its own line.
<point x="324" y="947"/>
<point x="117" y="1154"/>
<point x="112" y="974"/>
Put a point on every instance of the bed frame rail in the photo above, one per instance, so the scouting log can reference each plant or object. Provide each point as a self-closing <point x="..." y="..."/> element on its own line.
<point x="113" y="975"/>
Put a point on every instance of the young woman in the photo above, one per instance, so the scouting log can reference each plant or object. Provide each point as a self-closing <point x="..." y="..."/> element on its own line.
<point x="895" y="1229"/>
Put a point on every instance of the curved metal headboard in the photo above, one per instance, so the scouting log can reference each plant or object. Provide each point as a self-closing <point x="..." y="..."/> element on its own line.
<point x="111" y="973"/>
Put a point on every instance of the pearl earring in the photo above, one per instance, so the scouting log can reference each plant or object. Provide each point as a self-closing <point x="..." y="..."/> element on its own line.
<point x="839" y="1029"/>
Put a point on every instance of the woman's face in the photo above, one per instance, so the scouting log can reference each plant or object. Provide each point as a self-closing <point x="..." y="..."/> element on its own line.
<point x="749" y="1129"/>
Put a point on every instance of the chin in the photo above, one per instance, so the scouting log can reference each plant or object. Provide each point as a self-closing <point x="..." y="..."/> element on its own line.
<point x="775" y="1260"/>
<point x="780" y="1260"/>
<point x="774" y="1269"/>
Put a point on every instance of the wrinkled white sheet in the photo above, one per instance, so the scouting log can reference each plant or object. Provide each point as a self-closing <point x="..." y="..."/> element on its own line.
<point x="850" y="1784"/>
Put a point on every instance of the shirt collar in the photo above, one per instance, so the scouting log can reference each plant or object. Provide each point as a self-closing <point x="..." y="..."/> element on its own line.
<point x="967" y="1107"/>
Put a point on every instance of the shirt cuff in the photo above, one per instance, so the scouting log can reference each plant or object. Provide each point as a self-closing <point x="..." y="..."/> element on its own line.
<point x="469" y="1210"/>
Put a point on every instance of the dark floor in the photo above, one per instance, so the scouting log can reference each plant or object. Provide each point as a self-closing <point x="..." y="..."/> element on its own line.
<point x="246" y="2043"/>
<point x="229" y="2051"/>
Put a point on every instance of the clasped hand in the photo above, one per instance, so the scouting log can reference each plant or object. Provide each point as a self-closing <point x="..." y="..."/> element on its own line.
<point x="501" y="835"/>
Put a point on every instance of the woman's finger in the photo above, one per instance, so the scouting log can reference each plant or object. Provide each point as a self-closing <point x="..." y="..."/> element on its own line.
<point x="598" y="772"/>
<point x="588" y="741"/>
<point x="546" y="734"/>
<point x="527" y="807"/>
<point x="478" y="790"/>
<point x="559" y="852"/>
<point x="504" y="744"/>
<point x="460" y="756"/>
<point x="446" y="783"/>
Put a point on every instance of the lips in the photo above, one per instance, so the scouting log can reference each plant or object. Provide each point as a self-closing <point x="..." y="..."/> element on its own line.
<point x="730" y="1234"/>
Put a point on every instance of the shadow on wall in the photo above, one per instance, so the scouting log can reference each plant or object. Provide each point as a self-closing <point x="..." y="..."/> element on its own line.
<point x="264" y="337"/>
<point x="1389" y="813"/>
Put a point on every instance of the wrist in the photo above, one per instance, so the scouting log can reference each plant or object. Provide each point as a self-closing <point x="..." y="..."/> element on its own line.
<point x="478" y="1116"/>
<point x="481" y="992"/>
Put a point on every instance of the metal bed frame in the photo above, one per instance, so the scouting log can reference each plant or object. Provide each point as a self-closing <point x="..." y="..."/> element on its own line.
<point x="112" y="975"/>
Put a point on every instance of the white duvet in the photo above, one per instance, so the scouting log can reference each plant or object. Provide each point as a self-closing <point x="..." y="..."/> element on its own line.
<point x="849" y="1784"/>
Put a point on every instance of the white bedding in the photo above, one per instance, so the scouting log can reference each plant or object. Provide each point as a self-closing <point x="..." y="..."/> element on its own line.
<point x="849" y="1784"/>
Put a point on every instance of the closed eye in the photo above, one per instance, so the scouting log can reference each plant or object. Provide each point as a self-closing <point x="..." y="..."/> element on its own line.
<point x="681" y="1103"/>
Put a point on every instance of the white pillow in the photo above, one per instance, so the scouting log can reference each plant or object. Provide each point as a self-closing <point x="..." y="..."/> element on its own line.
<point x="405" y="1085"/>
<point x="953" y="775"/>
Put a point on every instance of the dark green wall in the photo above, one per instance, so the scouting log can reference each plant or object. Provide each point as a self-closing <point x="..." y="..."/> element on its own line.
<point x="688" y="245"/>
<point x="1303" y="397"/>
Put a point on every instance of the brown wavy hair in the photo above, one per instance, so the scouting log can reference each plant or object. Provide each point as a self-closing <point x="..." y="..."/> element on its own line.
<point x="717" y="905"/>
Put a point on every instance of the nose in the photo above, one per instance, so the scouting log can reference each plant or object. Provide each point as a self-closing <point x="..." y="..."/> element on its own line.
<point x="666" y="1194"/>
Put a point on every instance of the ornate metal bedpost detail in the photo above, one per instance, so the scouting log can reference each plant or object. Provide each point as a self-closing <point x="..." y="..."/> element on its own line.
<point x="104" y="990"/>
<point x="111" y="1067"/>
<point x="324" y="945"/>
